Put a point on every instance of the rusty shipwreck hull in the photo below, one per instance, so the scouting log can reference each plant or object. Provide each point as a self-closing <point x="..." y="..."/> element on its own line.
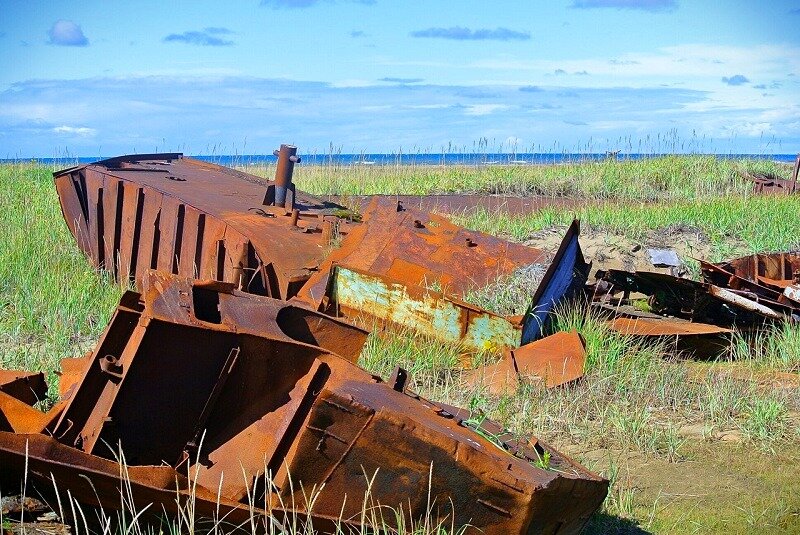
<point x="405" y="266"/>
<point x="413" y="268"/>
<point x="185" y="216"/>
<point x="198" y="378"/>
<point x="773" y="184"/>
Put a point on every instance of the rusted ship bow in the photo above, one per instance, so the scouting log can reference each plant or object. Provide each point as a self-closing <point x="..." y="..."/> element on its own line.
<point x="201" y="379"/>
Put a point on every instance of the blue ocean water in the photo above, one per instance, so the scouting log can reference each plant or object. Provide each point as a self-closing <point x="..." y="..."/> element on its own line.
<point x="421" y="158"/>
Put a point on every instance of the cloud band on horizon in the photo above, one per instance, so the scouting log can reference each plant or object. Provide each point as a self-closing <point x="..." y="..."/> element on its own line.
<point x="459" y="33"/>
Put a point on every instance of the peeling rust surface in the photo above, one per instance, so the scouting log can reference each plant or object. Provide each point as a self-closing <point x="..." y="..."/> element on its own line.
<point x="424" y="249"/>
<point x="772" y="184"/>
<point x="355" y="293"/>
<point x="556" y="360"/>
<point x="186" y="217"/>
<point x="198" y="377"/>
<point x="28" y="387"/>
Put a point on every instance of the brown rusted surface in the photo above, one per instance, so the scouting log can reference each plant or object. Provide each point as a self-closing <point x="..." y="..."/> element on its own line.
<point x="188" y="217"/>
<point x="699" y="302"/>
<point x="19" y="417"/>
<point x="697" y="340"/>
<point x="664" y="327"/>
<point x="71" y="374"/>
<point x="760" y="273"/>
<point x="95" y="481"/>
<point x="772" y="184"/>
<point x="556" y="360"/>
<point x="28" y="387"/>
<point x="200" y="378"/>
<point x="423" y="249"/>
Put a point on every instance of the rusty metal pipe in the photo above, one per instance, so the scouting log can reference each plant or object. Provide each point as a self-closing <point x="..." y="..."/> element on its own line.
<point x="287" y="157"/>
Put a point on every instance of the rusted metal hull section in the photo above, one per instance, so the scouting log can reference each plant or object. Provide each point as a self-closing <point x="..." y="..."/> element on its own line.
<point x="190" y="218"/>
<point x="424" y="249"/>
<point x="555" y="361"/>
<point x="763" y="271"/>
<point x="772" y="184"/>
<point x="411" y="268"/>
<point x="201" y="377"/>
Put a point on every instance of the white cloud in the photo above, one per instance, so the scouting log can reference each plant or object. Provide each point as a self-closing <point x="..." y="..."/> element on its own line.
<point x="66" y="33"/>
<point x="202" y="114"/>
<point x="676" y="62"/>
<point x="484" y="109"/>
<point x="81" y="131"/>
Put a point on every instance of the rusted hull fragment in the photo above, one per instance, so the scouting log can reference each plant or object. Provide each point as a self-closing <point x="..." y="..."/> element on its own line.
<point x="190" y="218"/>
<point x="684" y="337"/>
<point x="698" y="301"/>
<point x="410" y="267"/>
<point x="28" y="387"/>
<point x="367" y="296"/>
<point x="199" y="378"/>
<point x="555" y="361"/>
<point x="759" y="273"/>
<point x="772" y="184"/>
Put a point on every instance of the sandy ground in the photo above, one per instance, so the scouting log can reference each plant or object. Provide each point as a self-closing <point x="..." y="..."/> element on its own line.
<point x="616" y="251"/>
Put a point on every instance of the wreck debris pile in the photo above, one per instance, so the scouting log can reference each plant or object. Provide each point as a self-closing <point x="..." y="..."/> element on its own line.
<point x="399" y="265"/>
<point x="773" y="184"/>
<point x="199" y="378"/>
<point x="235" y="361"/>
<point x="745" y="294"/>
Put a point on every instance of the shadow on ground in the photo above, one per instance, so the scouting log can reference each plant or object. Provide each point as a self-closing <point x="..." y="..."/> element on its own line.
<point x="605" y="524"/>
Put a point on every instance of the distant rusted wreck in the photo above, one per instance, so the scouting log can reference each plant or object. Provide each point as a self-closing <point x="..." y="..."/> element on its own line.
<point x="770" y="183"/>
<point x="399" y="265"/>
<point x="198" y="377"/>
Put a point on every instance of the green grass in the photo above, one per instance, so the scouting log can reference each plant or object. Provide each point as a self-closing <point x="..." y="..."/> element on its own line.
<point x="658" y="178"/>
<point x="52" y="303"/>
<point x="636" y="401"/>
<point x="634" y="396"/>
<point x="759" y="223"/>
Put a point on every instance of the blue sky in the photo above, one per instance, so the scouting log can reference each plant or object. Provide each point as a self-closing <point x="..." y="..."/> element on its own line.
<point x="109" y="77"/>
